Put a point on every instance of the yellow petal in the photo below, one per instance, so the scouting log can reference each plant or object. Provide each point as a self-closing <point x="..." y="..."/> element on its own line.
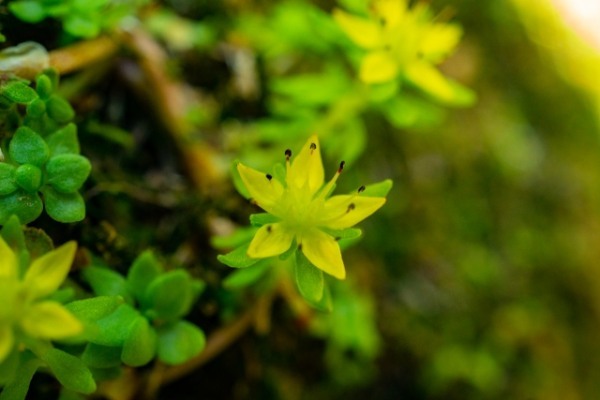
<point x="307" y="169"/>
<point x="7" y="341"/>
<point x="378" y="67"/>
<point x="344" y="211"/>
<point x="323" y="251"/>
<point x="49" y="271"/>
<point x="366" y="33"/>
<point x="392" y="11"/>
<point x="434" y="83"/>
<point x="270" y="240"/>
<point x="8" y="261"/>
<point x="50" y="320"/>
<point x="439" y="41"/>
<point x="264" y="191"/>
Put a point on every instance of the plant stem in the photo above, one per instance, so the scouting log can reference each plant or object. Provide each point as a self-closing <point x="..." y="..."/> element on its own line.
<point x="83" y="54"/>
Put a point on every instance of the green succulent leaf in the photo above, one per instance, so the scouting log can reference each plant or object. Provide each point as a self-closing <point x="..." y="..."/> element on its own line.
<point x="36" y="109"/>
<point x="105" y="282"/>
<point x="59" y="109"/>
<point x="309" y="279"/>
<point x="64" y="141"/>
<point x="246" y="276"/>
<point x="67" y="172"/>
<point x="9" y="366"/>
<point x="43" y="86"/>
<point x="7" y="179"/>
<point x="170" y="296"/>
<point x="18" y="92"/>
<point x="12" y="233"/>
<point x="98" y="356"/>
<point x="26" y="206"/>
<point x="140" y="345"/>
<point x="64" y="207"/>
<point x="238" y="258"/>
<point x="27" y="147"/>
<point x="179" y="342"/>
<point x="29" y="178"/>
<point x="262" y="219"/>
<point x="78" y="25"/>
<point x="144" y="270"/>
<point x="114" y="328"/>
<point x="70" y="371"/>
<point x="91" y="310"/>
<point x="28" y="10"/>
<point x="18" y="387"/>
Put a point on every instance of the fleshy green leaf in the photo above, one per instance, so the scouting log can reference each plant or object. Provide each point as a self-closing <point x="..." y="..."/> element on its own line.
<point x="170" y="295"/>
<point x="70" y="371"/>
<point x="59" y="109"/>
<point x="238" y="258"/>
<point x="36" y="109"/>
<point x="114" y="328"/>
<point x="64" y="207"/>
<point x="64" y="141"/>
<point x="246" y="276"/>
<point x="179" y="342"/>
<point x="98" y="356"/>
<point x="18" y="92"/>
<point x="67" y="172"/>
<point x="26" y="206"/>
<point x="27" y="147"/>
<point x="18" y="387"/>
<point x="77" y="25"/>
<point x="105" y="282"/>
<point x="144" y="270"/>
<point x="28" y="11"/>
<point x="9" y="365"/>
<point x="7" y="179"/>
<point x="43" y="86"/>
<point x="325" y="304"/>
<point x="91" y="310"/>
<point x="28" y="177"/>
<point x="309" y="279"/>
<point x="140" y="345"/>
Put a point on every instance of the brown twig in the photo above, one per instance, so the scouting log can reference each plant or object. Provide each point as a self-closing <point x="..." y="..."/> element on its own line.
<point x="83" y="54"/>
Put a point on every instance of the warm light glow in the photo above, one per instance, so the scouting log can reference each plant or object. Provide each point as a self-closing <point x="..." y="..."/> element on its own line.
<point x="583" y="16"/>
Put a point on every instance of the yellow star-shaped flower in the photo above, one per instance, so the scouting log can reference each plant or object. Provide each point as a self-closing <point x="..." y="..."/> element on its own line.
<point x="404" y="42"/>
<point x="23" y="310"/>
<point x="304" y="210"/>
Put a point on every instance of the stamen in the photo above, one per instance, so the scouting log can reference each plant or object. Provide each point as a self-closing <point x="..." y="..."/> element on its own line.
<point x="269" y="229"/>
<point x="269" y="177"/>
<point x="288" y="155"/>
<point x="351" y="207"/>
<point x="313" y="147"/>
<point x="361" y="189"/>
<point x="300" y="246"/>
<point x="341" y="168"/>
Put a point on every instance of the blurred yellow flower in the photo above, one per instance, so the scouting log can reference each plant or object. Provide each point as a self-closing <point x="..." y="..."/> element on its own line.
<point x="23" y="310"/>
<point x="403" y="42"/>
<point x="304" y="211"/>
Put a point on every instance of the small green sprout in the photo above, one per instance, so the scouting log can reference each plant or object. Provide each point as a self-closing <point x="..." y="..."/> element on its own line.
<point x="405" y="42"/>
<point x="27" y="316"/>
<point x="301" y="213"/>
<point x="149" y="322"/>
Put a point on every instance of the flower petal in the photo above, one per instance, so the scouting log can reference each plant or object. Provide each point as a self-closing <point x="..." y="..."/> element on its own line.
<point x="392" y="11"/>
<point x="439" y="40"/>
<point x="7" y="341"/>
<point x="49" y="271"/>
<point x="378" y="67"/>
<point x="270" y="240"/>
<point x="264" y="191"/>
<point x="323" y="252"/>
<point x="366" y="33"/>
<point x="50" y="320"/>
<point x="307" y="168"/>
<point x="344" y="211"/>
<point x="433" y="82"/>
<point x="8" y="261"/>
